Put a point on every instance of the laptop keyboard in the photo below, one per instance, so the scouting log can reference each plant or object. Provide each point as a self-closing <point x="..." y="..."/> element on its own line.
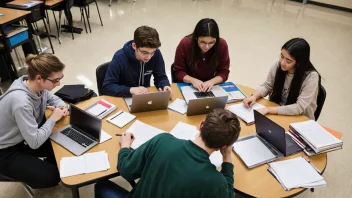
<point x="204" y="94"/>
<point x="77" y="137"/>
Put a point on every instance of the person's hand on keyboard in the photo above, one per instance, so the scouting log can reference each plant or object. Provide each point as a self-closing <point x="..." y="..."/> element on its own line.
<point x="138" y="90"/>
<point x="167" y="88"/>
<point x="207" y="86"/>
<point x="126" y="139"/>
<point x="198" y="84"/>
<point x="57" y="114"/>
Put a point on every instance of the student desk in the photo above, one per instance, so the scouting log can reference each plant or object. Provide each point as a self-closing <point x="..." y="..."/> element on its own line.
<point x="52" y="3"/>
<point x="257" y="182"/>
<point x="13" y="16"/>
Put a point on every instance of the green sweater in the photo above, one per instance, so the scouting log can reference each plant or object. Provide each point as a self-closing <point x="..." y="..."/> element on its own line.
<point x="170" y="167"/>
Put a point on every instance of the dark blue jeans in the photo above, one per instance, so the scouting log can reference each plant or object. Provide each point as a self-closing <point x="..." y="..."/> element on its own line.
<point x="108" y="189"/>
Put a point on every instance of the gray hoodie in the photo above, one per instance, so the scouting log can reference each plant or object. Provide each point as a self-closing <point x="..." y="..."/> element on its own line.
<point x="21" y="110"/>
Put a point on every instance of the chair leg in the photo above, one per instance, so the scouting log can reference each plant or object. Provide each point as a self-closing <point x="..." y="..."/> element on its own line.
<point x="57" y="28"/>
<point x="85" y="9"/>
<point x="47" y="20"/>
<point x="88" y="11"/>
<point x="110" y="3"/>
<point x="46" y="29"/>
<point x="84" y="20"/>
<point x="99" y="13"/>
<point x="28" y="190"/>
<point x="60" y="14"/>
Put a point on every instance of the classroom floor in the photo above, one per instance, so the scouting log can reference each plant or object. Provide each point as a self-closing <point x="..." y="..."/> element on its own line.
<point x="255" y="30"/>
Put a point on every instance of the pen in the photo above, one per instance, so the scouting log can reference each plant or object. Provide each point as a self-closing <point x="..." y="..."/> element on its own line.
<point x="118" y="134"/>
<point x="116" y="115"/>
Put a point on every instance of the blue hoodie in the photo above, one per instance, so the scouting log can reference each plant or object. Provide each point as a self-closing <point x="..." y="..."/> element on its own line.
<point x="125" y="71"/>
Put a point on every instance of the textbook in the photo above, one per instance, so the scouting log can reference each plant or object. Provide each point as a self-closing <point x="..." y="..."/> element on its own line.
<point x="25" y="5"/>
<point x="314" y="138"/>
<point x="306" y="148"/>
<point x="101" y="108"/>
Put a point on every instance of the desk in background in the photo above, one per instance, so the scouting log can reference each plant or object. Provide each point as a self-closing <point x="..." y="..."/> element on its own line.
<point x="12" y="16"/>
<point x="256" y="182"/>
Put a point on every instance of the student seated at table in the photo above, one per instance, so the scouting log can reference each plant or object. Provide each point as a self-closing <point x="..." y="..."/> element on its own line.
<point x="202" y="58"/>
<point x="292" y="82"/>
<point x="132" y="66"/>
<point x="171" y="167"/>
<point x="24" y="130"/>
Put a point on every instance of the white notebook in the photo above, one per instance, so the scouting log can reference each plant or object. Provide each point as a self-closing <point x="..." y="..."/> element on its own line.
<point x="189" y="132"/>
<point x="296" y="173"/>
<point x="101" y="108"/>
<point x="121" y="118"/>
<point x="142" y="133"/>
<point x="246" y="114"/>
<point x="316" y="135"/>
<point x="87" y="163"/>
<point x="179" y="106"/>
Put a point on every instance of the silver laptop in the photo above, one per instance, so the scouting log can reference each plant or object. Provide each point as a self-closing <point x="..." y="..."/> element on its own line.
<point x="148" y="102"/>
<point x="205" y="105"/>
<point x="82" y="134"/>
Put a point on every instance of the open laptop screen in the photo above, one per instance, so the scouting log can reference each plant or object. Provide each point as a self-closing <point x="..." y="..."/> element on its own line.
<point x="85" y="122"/>
<point x="270" y="131"/>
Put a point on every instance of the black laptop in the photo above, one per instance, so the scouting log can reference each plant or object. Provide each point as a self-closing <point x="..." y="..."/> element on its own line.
<point x="275" y="135"/>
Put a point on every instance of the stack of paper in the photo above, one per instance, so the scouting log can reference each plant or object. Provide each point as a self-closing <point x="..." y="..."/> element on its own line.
<point x="101" y="109"/>
<point x="311" y="136"/>
<point x="179" y="106"/>
<point x="184" y="131"/>
<point x="296" y="173"/>
<point x="104" y="136"/>
<point x="189" y="132"/>
<point x="246" y="114"/>
<point x="87" y="163"/>
<point x="142" y="133"/>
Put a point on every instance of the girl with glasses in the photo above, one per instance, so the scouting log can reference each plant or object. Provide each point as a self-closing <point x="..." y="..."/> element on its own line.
<point x="202" y="58"/>
<point x="24" y="130"/>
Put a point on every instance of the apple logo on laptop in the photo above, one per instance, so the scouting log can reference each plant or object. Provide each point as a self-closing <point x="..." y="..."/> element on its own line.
<point x="150" y="102"/>
<point x="207" y="107"/>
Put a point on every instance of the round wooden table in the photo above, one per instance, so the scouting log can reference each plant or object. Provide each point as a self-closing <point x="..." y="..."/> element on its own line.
<point x="255" y="182"/>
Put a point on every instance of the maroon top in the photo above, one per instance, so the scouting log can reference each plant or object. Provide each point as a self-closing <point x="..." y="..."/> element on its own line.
<point x="203" y="73"/>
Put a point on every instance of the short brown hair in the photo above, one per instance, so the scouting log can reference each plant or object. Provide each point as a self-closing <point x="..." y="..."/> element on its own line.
<point x="43" y="64"/>
<point x="145" y="36"/>
<point x="220" y="128"/>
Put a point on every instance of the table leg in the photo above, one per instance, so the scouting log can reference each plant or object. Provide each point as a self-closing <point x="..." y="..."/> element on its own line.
<point x="75" y="192"/>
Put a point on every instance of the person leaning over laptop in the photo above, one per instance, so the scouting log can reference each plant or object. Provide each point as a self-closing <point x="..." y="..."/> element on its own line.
<point x="24" y="130"/>
<point x="202" y="58"/>
<point x="130" y="70"/>
<point x="171" y="167"/>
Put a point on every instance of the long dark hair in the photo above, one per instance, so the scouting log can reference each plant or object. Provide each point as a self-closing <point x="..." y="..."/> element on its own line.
<point x="298" y="49"/>
<point x="205" y="27"/>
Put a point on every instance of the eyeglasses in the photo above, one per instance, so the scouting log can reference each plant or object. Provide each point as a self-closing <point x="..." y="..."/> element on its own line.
<point x="55" y="80"/>
<point x="146" y="53"/>
<point x="203" y="43"/>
